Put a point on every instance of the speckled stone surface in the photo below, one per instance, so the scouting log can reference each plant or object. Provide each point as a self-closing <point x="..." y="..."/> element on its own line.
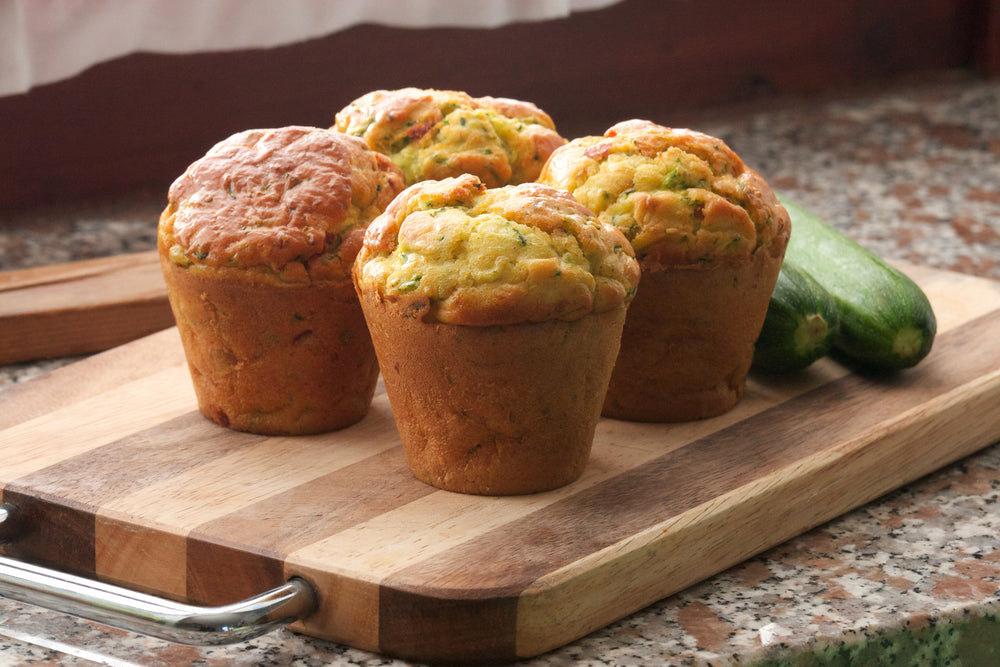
<point x="913" y="172"/>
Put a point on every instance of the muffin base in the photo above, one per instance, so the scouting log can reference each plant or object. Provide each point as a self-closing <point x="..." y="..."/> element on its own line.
<point x="688" y="341"/>
<point x="274" y="359"/>
<point x="494" y="410"/>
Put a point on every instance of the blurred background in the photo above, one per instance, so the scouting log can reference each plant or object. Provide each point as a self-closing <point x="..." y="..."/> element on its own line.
<point x="99" y="98"/>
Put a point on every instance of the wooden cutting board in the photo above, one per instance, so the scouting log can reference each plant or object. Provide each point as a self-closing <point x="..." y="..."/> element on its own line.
<point x="119" y="477"/>
<point x="81" y="307"/>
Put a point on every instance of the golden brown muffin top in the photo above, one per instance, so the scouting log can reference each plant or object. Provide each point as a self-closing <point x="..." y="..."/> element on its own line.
<point x="454" y="251"/>
<point x="435" y="134"/>
<point x="291" y="204"/>
<point x="680" y="196"/>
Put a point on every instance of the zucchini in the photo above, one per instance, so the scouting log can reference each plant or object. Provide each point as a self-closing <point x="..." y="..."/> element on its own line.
<point x="886" y="322"/>
<point x="800" y="324"/>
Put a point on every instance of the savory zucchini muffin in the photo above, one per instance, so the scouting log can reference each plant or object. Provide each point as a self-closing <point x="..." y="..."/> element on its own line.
<point x="256" y="244"/>
<point x="710" y="237"/>
<point x="496" y="315"/>
<point x="435" y="134"/>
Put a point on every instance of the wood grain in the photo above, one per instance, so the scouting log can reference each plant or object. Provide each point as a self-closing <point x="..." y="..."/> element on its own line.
<point x="80" y="307"/>
<point x="125" y="481"/>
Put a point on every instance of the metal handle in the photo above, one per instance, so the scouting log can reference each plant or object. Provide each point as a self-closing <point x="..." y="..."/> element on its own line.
<point x="148" y="614"/>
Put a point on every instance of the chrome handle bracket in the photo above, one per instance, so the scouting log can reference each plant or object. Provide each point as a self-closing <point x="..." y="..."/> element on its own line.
<point x="148" y="614"/>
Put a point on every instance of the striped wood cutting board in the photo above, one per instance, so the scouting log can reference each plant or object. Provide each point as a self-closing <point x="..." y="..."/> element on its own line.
<point x="119" y="477"/>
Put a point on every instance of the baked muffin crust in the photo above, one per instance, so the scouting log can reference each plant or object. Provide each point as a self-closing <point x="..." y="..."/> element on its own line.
<point x="284" y="205"/>
<point x="680" y="196"/>
<point x="435" y="134"/>
<point x="460" y="253"/>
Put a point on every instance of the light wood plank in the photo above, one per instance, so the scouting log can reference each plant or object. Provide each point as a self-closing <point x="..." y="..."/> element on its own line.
<point x="93" y="422"/>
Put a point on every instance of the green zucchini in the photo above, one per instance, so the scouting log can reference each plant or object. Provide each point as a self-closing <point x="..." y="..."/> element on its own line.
<point x="886" y="322"/>
<point x="800" y="324"/>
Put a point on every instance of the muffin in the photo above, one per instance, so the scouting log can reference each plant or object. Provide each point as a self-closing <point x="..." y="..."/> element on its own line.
<point x="256" y="245"/>
<point x="496" y="316"/>
<point x="435" y="134"/>
<point x="710" y="237"/>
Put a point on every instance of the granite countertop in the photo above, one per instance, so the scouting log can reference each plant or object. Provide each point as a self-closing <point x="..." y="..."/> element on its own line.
<point x="913" y="172"/>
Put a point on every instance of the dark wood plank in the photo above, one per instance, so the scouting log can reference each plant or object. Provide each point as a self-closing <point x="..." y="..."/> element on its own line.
<point x="482" y="630"/>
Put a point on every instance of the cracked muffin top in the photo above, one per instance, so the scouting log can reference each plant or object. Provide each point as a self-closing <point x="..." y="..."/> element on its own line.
<point x="435" y="134"/>
<point x="286" y="205"/>
<point x="454" y="251"/>
<point x="681" y="197"/>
